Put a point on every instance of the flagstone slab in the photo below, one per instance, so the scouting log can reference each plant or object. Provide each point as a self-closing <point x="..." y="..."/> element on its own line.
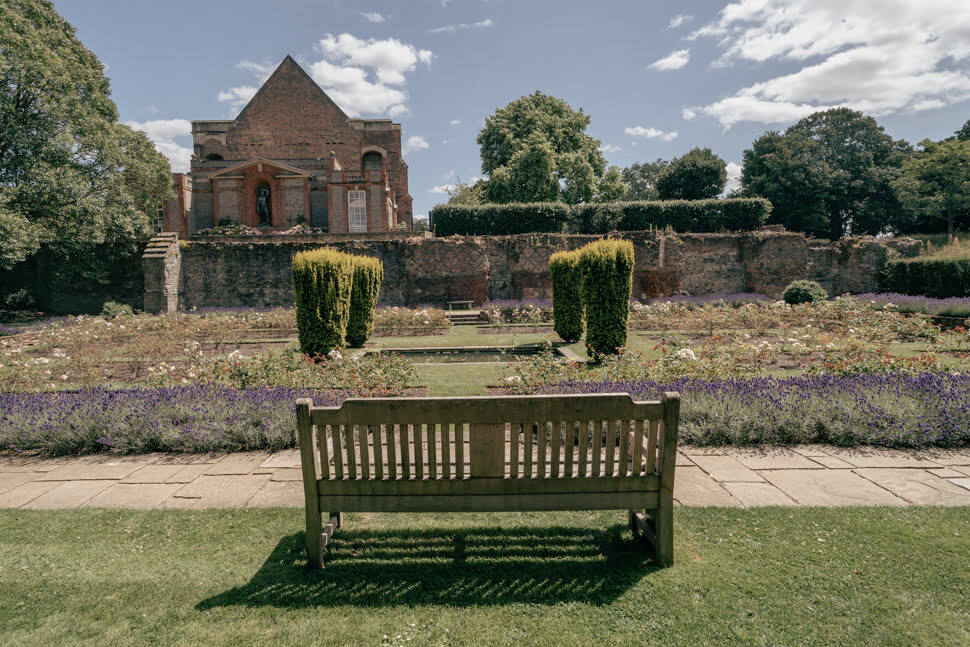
<point x="154" y="473"/>
<point x="234" y="464"/>
<point x="962" y="469"/>
<point x="964" y="483"/>
<point x="10" y="480"/>
<point x="951" y="457"/>
<point x="179" y="503"/>
<point x="96" y="468"/>
<point x="134" y="495"/>
<point x="726" y="468"/>
<point x="692" y="487"/>
<point x="188" y="473"/>
<point x="771" y="458"/>
<point x="918" y="486"/>
<point x="757" y="494"/>
<point x="190" y="459"/>
<point x="223" y="491"/>
<point x="30" y="463"/>
<point x="830" y="488"/>
<point x="945" y="472"/>
<point x="70" y="494"/>
<point x="810" y="450"/>
<point x="25" y="493"/>
<point x="285" y="458"/>
<point x="701" y="450"/>
<point x="880" y="457"/>
<point x="286" y="474"/>
<point x="682" y="460"/>
<point x="832" y="462"/>
<point x="288" y="494"/>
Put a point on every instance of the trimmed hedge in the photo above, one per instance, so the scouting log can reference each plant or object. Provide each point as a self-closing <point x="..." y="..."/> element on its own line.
<point x="931" y="277"/>
<point x="368" y="275"/>
<point x="607" y="269"/>
<point x="323" y="282"/>
<point x="804" y="292"/>
<point x="732" y="214"/>
<point x="568" y="311"/>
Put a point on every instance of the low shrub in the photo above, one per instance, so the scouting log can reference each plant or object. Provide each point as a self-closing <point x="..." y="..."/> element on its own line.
<point x="930" y="276"/>
<point x="568" y="307"/>
<point x="399" y="322"/>
<point x="804" y="292"/>
<point x="517" y="311"/>
<point x="368" y="275"/>
<point x="22" y="299"/>
<point x="607" y="270"/>
<point x="323" y="280"/>
<point x="113" y="309"/>
<point x="731" y="214"/>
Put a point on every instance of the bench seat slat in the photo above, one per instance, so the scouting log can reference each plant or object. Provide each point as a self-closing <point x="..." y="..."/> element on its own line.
<point x="489" y="502"/>
<point x="432" y="450"/>
<point x="550" y="485"/>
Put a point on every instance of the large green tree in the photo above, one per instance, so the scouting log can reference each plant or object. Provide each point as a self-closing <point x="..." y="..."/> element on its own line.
<point x="536" y="149"/>
<point x="71" y="176"/>
<point x="834" y="167"/>
<point x="697" y="175"/>
<point x="641" y="179"/>
<point x="934" y="186"/>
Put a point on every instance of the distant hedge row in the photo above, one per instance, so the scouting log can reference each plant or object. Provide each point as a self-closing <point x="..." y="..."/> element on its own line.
<point x="932" y="277"/>
<point x="733" y="214"/>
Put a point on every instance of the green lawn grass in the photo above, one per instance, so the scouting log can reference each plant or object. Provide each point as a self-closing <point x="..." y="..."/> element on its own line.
<point x="851" y="576"/>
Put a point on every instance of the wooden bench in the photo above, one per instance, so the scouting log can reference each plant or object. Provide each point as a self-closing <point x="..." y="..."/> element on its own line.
<point x="479" y="454"/>
<point x="465" y="305"/>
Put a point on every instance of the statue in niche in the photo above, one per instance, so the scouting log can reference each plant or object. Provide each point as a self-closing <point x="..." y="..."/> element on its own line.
<point x="262" y="205"/>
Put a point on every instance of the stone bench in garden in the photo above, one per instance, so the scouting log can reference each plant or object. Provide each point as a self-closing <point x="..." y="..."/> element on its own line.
<point x="483" y="454"/>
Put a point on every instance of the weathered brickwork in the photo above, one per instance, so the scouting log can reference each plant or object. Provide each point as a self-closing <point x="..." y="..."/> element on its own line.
<point x="293" y="141"/>
<point x="417" y="270"/>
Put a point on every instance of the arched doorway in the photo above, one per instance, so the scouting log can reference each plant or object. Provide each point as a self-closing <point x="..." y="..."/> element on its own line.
<point x="263" y="204"/>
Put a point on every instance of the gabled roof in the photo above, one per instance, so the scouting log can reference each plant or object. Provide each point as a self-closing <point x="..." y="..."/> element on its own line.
<point x="259" y="160"/>
<point x="278" y="81"/>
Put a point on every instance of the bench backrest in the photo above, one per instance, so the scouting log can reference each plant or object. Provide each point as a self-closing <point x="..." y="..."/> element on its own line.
<point x="530" y="436"/>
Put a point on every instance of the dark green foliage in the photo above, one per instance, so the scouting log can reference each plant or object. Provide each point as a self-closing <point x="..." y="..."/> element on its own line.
<point x="112" y="309"/>
<point x="21" y="299"/>
<point x="607" y="269"/>
<point x="732" y="214"/>
<point x="932" y="277"/>
<point x="323" y="280"/>
<point x="641" y="179"/>
<point x="568" y="308"/>
<point x="368" y="275"/>
<point x="536" y="149"/>
<point x="828" y="174"/>
<point x="697" y="175"/>
<point x="804" y="292"/>
<point x="71" y="176"/>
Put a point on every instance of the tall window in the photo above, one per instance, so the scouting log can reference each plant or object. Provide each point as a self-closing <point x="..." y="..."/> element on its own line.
<point x="160" y="220"/>
<point x="357" y="209"/>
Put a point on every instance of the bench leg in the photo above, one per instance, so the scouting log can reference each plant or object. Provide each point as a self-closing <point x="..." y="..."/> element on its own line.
<point x="664" y="531"/>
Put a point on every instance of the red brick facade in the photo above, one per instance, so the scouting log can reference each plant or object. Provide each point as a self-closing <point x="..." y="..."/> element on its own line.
<point x="293" y="140"/>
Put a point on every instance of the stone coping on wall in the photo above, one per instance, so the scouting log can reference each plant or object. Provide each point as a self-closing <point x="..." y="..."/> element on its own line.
<point x="312" y="238"/>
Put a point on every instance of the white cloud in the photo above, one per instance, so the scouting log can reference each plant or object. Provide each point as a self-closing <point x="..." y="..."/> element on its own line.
<point x="362" y="76"/>
<point x="733" y="177"/>
<point x="651" y="133"/>
<point x="678" y="20"/>
<point x="442" y="189"/>
<point x="673" y="61"/>
<point x="151" y="109"/>
<point x="415" y="143"/>
<point x="455" y="122"/>
<point x="464" y="25"/>
<point x="610" y="148"/>
<point x="450" y="174"/>
<point x="163" y="133"/>
<point x="239" y="96"/>
<point x="688" y="113"/>
<point x="877" y="56"/>
<point x="373" y="16"/>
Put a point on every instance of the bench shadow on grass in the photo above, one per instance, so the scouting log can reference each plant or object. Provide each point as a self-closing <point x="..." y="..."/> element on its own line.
<point x="471" y="567"/>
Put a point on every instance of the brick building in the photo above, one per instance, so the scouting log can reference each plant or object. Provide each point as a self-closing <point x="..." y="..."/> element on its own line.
<point x="292" y="156"/>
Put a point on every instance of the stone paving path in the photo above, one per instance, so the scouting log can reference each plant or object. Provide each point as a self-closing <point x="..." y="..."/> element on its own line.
<point x="804" y="475"/>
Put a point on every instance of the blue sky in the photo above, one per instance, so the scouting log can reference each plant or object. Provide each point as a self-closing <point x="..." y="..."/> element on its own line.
<point x="657" y="78"/>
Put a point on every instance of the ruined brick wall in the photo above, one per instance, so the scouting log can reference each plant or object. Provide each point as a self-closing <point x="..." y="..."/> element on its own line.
<point x="256" y="272"/>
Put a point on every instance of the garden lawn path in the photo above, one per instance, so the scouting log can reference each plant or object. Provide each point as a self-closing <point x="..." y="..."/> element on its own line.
<point x="801" y="475"/>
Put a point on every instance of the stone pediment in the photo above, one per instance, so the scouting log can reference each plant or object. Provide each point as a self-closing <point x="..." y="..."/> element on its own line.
<point x="235" y="169"/>
<point x="287" y="83"/>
